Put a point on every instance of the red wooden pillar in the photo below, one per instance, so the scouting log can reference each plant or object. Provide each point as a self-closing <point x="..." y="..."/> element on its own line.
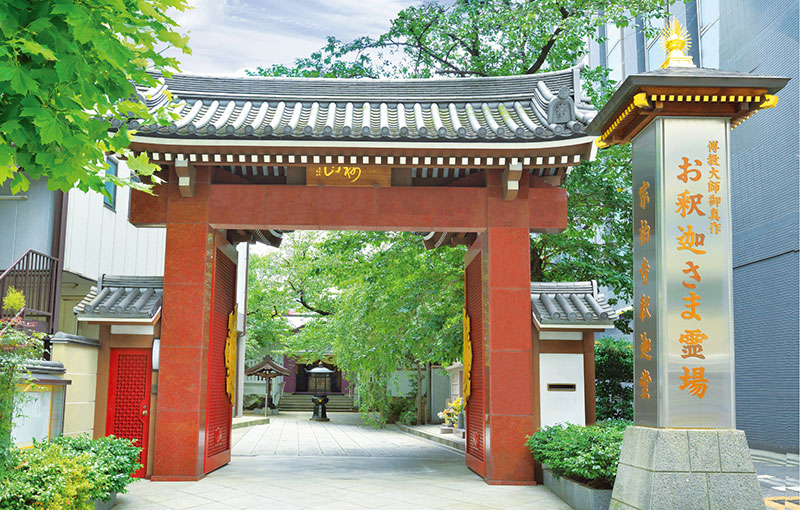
<point x="503" y="366"/>
<point x="181" y="416"/>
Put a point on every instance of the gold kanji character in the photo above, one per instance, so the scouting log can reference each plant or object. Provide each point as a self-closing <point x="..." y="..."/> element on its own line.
<point x="692" y="302"/>
<point x="644" y="270"/>
<point x="644" y="232"/>
<point x="644" y="307"/>
<point x="713" y="146"/>
<point x="687" y="171"/>
<point x="715" y="227"/>
<point x="714" y="173"/>
<point x="644" y="382"/>
<point x="692" y="269"/>
<point x="714" y="214"/>
<point x="689" y="240"/>
<point x="687" y="204"/>
<point x="644" y="346"/>
<point x="714" y="200"/>
<point x="695" y="380"/>
<point x="713" y="186"/>
<point x="713" y="160"/>
<point x="692" y="340"/>
<point x="644" y="196"/>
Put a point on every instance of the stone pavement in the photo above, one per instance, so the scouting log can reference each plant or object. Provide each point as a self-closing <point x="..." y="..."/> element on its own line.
<point x="292" y="463"/>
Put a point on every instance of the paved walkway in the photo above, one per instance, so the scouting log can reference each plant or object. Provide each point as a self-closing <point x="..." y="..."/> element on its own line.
<point x="293" y="463"/>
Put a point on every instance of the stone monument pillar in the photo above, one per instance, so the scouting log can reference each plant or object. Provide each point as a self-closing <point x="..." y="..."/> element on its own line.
<point x="684" y="451"/>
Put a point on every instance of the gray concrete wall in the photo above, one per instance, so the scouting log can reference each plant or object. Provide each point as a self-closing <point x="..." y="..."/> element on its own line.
<point x="26" y="222"/>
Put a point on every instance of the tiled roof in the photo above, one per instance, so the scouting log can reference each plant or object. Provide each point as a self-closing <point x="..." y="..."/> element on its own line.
<point x="570" y="303"/>
<point x="267" y="368"/>
<point x="513" y="108"/>
<point x="123" y="297"/>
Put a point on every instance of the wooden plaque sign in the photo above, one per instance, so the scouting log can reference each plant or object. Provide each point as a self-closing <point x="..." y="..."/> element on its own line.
<point x="349" y="175"/>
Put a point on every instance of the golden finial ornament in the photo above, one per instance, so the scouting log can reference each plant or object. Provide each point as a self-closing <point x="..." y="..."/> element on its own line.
<point x="675" y="40"/>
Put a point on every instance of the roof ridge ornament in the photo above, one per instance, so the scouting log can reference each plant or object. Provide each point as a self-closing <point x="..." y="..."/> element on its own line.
<point x="675" y="39"/>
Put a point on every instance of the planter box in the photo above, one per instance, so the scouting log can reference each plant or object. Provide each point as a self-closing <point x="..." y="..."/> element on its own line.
<point x="105" y="505"/>
<point x="445" y="429"/>
<point x="576" y="495"/>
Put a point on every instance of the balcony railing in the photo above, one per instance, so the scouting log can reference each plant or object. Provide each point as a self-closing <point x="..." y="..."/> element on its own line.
<point x="35" y="275"/>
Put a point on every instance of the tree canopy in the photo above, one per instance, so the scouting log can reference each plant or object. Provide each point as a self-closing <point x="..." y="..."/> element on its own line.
<point x="378" y="301"/>
<point x="67" y="69"/>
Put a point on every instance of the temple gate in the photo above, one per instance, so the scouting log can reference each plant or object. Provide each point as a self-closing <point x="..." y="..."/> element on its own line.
<point x="471" y="161"/>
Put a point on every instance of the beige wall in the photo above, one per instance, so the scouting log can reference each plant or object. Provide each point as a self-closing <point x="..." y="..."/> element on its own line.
<point x="80" y="361"/>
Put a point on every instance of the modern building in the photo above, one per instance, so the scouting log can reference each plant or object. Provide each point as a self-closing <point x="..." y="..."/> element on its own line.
<point x="760" y="38"/>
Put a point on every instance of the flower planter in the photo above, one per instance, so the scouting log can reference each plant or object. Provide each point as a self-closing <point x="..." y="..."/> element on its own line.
<point x="105" y="505"/>
<point x="445" y="429"/>
<point x="576" y="495"/>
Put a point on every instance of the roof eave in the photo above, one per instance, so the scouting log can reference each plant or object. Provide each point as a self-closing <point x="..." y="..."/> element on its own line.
<point x="634" y="82"/>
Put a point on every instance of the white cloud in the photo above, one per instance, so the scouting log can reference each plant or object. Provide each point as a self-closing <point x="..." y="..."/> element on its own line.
<point x="228" y="36"/>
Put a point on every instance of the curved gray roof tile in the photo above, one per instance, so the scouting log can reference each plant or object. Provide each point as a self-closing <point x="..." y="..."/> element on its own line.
<point x="513" y="108"/>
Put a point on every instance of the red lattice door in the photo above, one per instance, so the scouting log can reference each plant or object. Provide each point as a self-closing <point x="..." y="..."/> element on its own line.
<point x="218" y="404"/>
<point x="129" y="399"/>
<point x="476" y="419"/>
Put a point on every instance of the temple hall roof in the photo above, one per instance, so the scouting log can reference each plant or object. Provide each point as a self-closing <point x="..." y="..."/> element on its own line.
<point x="515" y="108"/>
<point x="122" y="297"/>
<point x="575" y="304"/>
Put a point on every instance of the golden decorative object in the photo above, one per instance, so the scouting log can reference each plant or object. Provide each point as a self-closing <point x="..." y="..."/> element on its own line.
<point x="230" y="355"/>
<point x="467" y="357"/>
<point x="675" y="40"/>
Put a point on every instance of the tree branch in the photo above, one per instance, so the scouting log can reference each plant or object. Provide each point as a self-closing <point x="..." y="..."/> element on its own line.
<point x="547" y="47"/>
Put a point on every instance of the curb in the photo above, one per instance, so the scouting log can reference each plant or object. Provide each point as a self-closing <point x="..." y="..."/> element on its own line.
<point x="250" y="423"/>
<point x="441" y="440"/>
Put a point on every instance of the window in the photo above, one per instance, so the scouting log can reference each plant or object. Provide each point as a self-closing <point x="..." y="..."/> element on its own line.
<point x="42" y="415"/>
<point x="654" y="49"/>
<point x="708" y="12"/>
<point x="614" y="55"/>
<point x="111" y="199"/>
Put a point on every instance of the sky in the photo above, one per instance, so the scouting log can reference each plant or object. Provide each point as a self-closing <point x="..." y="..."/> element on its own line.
<point x="229" y="36"/>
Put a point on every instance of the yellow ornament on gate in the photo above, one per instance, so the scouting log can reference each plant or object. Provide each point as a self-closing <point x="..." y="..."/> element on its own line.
<point x="230" y="356"/>
<point x="467" y="357"/>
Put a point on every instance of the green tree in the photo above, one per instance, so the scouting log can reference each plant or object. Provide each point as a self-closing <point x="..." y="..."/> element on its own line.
<point x="378" y="302"/>
<point x="67" y="71"/>
<point x="613" y="366"/>
<point x="505" y="37"/>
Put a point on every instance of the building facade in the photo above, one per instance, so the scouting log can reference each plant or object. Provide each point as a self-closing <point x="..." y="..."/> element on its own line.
<point x="759" y="38"/>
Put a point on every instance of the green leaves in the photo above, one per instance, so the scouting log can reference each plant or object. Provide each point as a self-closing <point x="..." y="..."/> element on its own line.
<point x="586" y="454"/>
<point x="67" y="70"/>
<point x="377" y="300"/>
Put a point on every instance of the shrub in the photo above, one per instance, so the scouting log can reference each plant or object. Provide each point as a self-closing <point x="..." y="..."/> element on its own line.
<point x="401" y="407"/>
<point x="67" y="473"/>
<point x="47" y="477"/>
<point x="589" y="455"/>
<point x="113" y="460"/>
<point x="254" y="401"/>
<point x="613" y="366"/>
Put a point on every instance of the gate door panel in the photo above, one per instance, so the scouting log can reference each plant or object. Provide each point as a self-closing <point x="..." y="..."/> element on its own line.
<point x="219" y="410"/>
<point x="129" y="398"/>
<point x="476" y="446"/>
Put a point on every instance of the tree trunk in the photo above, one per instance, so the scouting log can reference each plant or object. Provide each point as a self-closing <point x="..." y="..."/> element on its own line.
<point x="428" y="410"/>
<point x="420" y="409"/>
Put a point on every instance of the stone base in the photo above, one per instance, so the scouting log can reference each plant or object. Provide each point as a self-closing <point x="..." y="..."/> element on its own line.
<point x="685" y="469"/>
